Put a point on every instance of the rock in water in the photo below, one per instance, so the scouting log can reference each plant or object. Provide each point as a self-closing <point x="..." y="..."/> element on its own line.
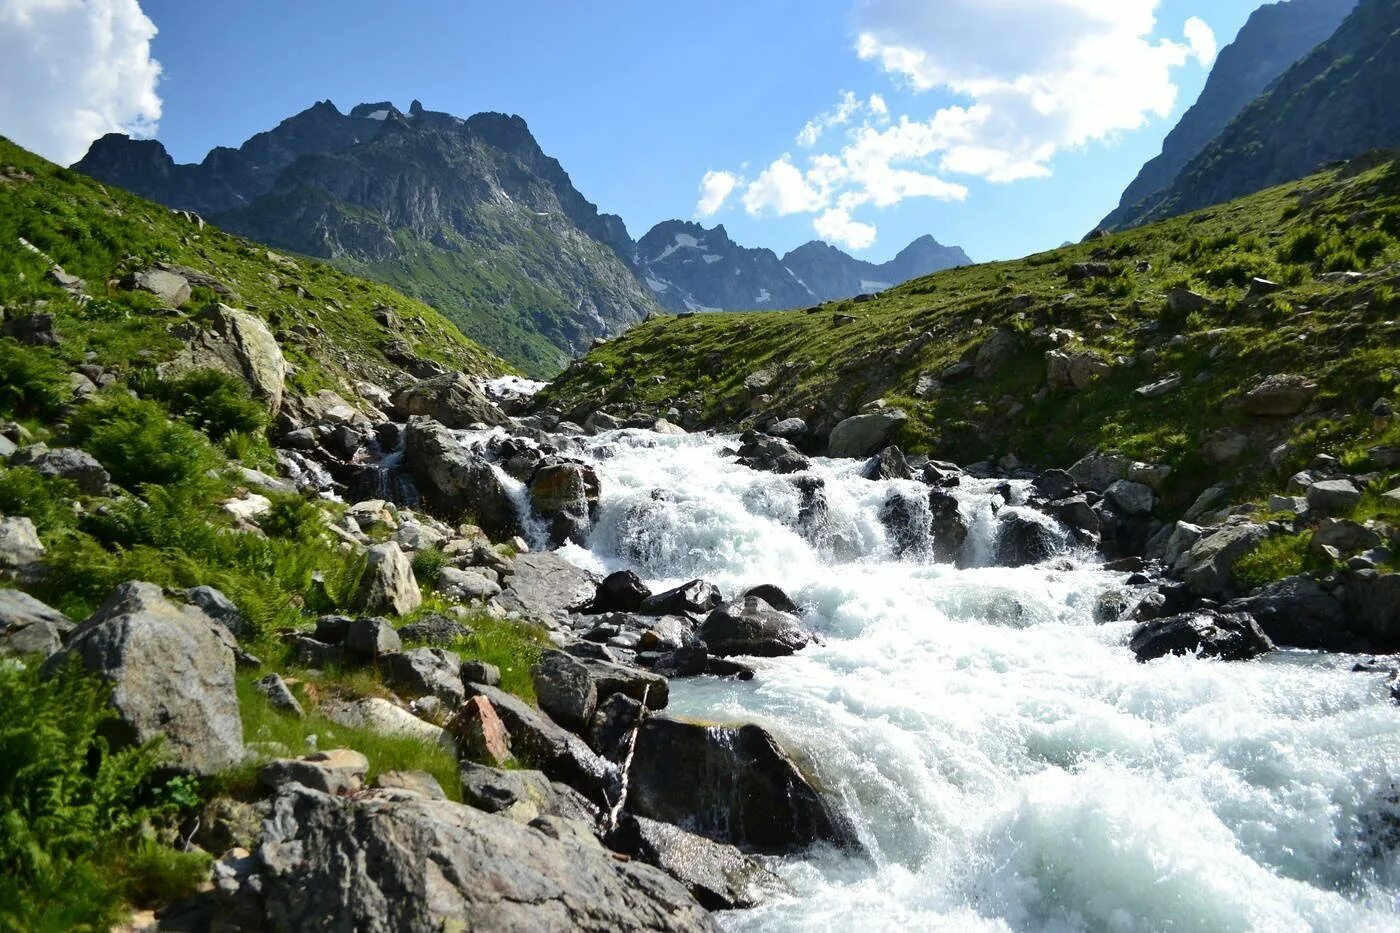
<point x="1230" y="637"/>
<point x="863" y="435"/>
<point x="752" y="627"/>
<point x="172" y="676"/>
<point x="566" y="495"/>
<point x="456" y="484"/>
<point x="733" y="785"/>
<point x="391" y="861"/>
<point x="719" y="876"/>
<point x="452" y="400"/>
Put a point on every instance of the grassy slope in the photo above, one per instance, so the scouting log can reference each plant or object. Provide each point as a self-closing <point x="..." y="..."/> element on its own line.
<point x="1343" y="335"/>
<point x="99" y="233"/>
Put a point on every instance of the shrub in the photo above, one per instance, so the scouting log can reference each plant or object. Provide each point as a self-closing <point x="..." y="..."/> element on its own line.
<point x="294" y="518"/>
<point x="32" y="383"/>
<point x="47" y="501"/>
<point x="70" y="805"/>
<point x="138" y="443"/>
<point x="428" y="564"/>
<point x="217" y="403"/>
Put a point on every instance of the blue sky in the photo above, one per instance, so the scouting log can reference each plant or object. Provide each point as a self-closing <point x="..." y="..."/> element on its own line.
<point x="639" y="100"/>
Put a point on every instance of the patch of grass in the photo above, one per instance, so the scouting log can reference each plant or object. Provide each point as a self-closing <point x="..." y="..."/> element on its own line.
<point x="514" y="647"/>
<point x="32" y="382"/>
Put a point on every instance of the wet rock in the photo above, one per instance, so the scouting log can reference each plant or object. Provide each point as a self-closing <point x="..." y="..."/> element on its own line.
<point x="1131" y="498"/>
<point x="948" y="530"/>
<point x="719" y="876"/>
<point x="279" y="695"/>
<point x="388" y="584"/>
<point x="565" y="689"/>
<point x="481" y="735"/>
<point x="610" y="678"/>
<point x="566" y="494"/>
<point x="390" y="861"/>
<point x="1022" y="541"/>
<point x="613" y="723"/>
<point x="887" y="464"/>
<point x="425" y="672"/>
<point x="906" y="521"/>
<point x="1229" y="637"/>
<point x="455" y="483"/>
<point x="452" y="400"/>
<point x="334" y="771"/>
<point x="172" y="676"/>
<point x="1297" y="612"/>
<point x="695" y="597"/>
<point x="863" y="435"/>
<point x="1372" y="601"/>
<point x="622" y="591"/>
<point x="788" y="428"/>
<point x="28" y="626"/>
<point x="1112" y="606"/>
<point x="752" y="627"/>
<point x="774" y="596"/>
<point x="770" y="454"/>
<point x="740" y="787"/>
<point x="1055" y="484"/>
<point x="1078" y="516"/>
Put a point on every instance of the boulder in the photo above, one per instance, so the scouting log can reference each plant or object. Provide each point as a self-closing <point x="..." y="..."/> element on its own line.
<point x="1346" y="536"/>
<point x="35" y="330"/>
<point x="693" y="598"/>
<point x="523" y="795"/>
<point x="172" y="289"/>
<point x="1229" y="637"/>
<point x="425" y="672"/>
<point x="863" y="435"/>
<point x="389" y="860"/>
<point x="455" y="483"/>
<point x="1078" y="516"/>
<point x="545" y="584"/>
<point x="452" y="400"/>
<point x="1182" y="301"/>
<point x="481" y="736"/>
<point x="1372" y="601"/>
<point x="1333" y="496"/>
<point x="240" y="344"/>
<point x="1279" y="396"/>
<point x="218" y="607"/>
<point x="388" y="584"/>
<point x="733" y="785"/>
<point x="611" y="679"/>
<point x="1073" y="370"/>
<point x="19" y="543"/>
<point x="1021" y="540"/>
<point x="622" y="591"/>
<point x="78" y="466"/>
<point x="1098" y="471"/>
<point x="770" y="454"/>
<point x="434" y="630"/>
<point x="379" y="715"/>
<point x="948" y="530"/>
<point x="334" y="771"/>
<point x="1055" y="484"/>
<point x="887" y="464"/>
<point x="1225" y="446"/>
<point x="788" y="428"/>
<point x="1209" y="564"/>
<point x="420" y="783"/>
<point x="565" y="690"/>
<point x="994" y="353"/>
<point x="1131" y="498"/>
<point x="774" y="596"/>
<point x="370" y="639"/>
<point x="750" y="626"/>
<point x="279" y="695"/>
<point x="1297" y="612"/>
<point x="466" y="585"/>
<point x="906" y="522"/>
<point x="719" y="876"/>
<point x="565" y="494"/>
<point x="171" y="674"/>
<point x="28" y="626"/>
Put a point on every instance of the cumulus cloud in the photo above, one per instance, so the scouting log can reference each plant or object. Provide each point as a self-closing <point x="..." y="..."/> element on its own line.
<point x="1019" y="81"/>
<point x="715" y="189"/>
<point x="73" y="70"/>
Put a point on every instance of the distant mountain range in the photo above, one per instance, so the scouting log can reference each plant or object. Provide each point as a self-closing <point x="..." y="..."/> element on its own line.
<point x="1306" y="83"/>
<point x="471" y="216"/>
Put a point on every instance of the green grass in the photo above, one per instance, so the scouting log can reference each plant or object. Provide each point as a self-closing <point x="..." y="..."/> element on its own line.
<point x="1342" y="334"/>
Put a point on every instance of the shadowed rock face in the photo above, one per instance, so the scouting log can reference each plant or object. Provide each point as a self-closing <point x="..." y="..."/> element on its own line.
<point x="391" y="861"/>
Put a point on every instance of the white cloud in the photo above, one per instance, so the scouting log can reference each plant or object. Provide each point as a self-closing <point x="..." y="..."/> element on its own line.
<point x="1201" y="38"/>
<point x="836" y="226"/>
<point x="782" y="189"/>
<point x="1027" y="79"/>
<point x="73" y="70"/>
<point x="715" y="189"/>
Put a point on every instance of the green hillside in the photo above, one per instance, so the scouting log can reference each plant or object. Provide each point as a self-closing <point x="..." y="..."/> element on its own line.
<point x="824" y="364"/>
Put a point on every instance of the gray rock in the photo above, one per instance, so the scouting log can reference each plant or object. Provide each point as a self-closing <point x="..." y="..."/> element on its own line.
<point x="1346" y="536"/>
<point x="1055" y="484"/>
<point x="522" y="795"/>
<point x="691" y="598"/>
<point x="240" y="344"/>
<point x="434" y="630"/>
<point x="1279" y="396"/>
<point x="1209" y="499"/>
<point x="479" y="672"/>
<point x="1183" y="301"/>
<point x="887" y="464"/>
<point x="370" y="639"/>
<point x="774" y="596"/>
<point x="425" y="672"/>
<point x="752" y="627"/>
<point x="863" y="435"/>
<point x="19" y="543"/>
<point x="610" y="678"/>
<point x="565" y="689"/>
<point x="1297" y="612"/>
<point x="388" y="584"/>
<point x="279" y="695"/>
<point x="622" y="591"/>
<point x="173" y="290"/>
<point x="455" y="483"/>
<point x="218" y="607"/>
<point x="1131" y="498"/>
<point x="770" y="454"/>
<point x="334" y="771"/>
<point x="1161" y="387"/>
<point x="719" y="876"/>
<point x="1333" y="496"/>
<point x="466" y="585"/>
<point x="565" y="494"/>
<point x="733" y="785"/>
<point x="452" y="400"/>
<point x="28" y="626"/>
<point x="1210" y="564"/>
<point x="172" y="676"/>
<point x="1230" y="637"/>
<point x="420" y="783"/>
<point x="994" y="353"/>
<point x="76" y="465"/>
<point x="1021" y="541"/>
<point x="1073" y="371"/>
<point x="1373" y="606"/>
<point x="1098" y="471"/>
<point x="389" y="861"/>
<point x="788" y="428"/>
<point x="545" y="584"/>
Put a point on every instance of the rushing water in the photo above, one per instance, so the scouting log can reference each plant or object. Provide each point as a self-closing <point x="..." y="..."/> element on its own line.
<point x="1008" y="764"/>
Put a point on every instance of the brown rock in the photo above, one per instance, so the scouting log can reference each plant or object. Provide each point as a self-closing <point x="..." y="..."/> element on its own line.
<point x="483" y="737"/>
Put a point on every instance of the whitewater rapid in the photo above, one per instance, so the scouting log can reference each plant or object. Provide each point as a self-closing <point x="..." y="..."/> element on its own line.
<point x="1008" y="764"/>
